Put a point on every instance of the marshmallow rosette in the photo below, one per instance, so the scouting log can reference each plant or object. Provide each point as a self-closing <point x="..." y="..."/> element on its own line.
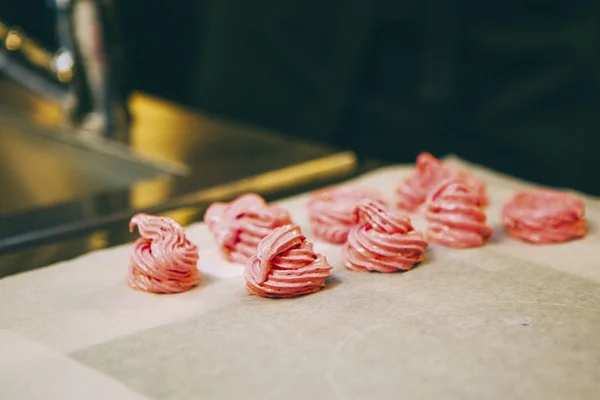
<point x="382" y="240"/>
<point x="286" y="265"/>
<point x="544" y="216"/>
<point x="330" y="211"/>
<point x="428" y="174"/>
<point x="240" y="225"/>
<point x="163" y="260"/>
<point x="456" y="217"/>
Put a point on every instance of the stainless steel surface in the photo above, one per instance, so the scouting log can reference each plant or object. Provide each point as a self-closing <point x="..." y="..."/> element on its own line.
<point x="176" y="160"/>
<point x="25" y="61"/>
<point x="89" y="63"/>
<point x="39" y="171"/>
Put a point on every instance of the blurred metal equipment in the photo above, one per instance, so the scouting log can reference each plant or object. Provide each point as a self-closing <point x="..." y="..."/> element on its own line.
<point x="86" y="74"/>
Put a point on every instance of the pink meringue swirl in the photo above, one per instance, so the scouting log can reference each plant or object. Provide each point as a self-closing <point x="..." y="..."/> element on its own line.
<point x="543" y="216"/>
<point x="428" y="174"/>
<point x="330" y="211"/>
<point x="240" y="225"/>
<point x="382" y="241"/>
<point x="163" y="260"/>
<point x="286" y="265"/>
<point x="455" y="216"/>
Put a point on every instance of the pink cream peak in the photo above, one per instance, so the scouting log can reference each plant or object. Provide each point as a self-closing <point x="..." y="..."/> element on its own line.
<point x="163" y="260"/>
<point x="456" y="217"/>
<point x="240" y="225"/>
<point x="286" y="265"/>
<point x="330" y="211"/>
<point x="382" y="241"/>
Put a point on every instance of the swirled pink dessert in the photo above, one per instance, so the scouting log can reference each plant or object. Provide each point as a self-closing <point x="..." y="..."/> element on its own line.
<point x="428" y="174"/>
<point x="544" y="216"/>
<point x="286" y="265"/>
<point x="382" y="241"/>
<point x="330" y="211"/>
<point x="455" y="216"/>
<point x="163" y="260"/>
<point x="240" y="225"/>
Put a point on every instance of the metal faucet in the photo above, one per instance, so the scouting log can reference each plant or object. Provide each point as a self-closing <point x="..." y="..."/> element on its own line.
<point x="86" y="72"/>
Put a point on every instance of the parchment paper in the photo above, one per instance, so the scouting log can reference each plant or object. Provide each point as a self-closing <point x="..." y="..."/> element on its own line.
<point x="507" y="320"/>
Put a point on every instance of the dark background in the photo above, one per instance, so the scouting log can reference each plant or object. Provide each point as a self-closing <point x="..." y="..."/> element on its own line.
<point x="513" y="85"/>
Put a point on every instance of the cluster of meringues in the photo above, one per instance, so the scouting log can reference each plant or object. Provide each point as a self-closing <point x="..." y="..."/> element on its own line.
<point x="374" y="236"/>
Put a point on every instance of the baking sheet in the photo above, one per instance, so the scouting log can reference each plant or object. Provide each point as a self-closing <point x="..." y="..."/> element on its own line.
<point x="507" y="320"/>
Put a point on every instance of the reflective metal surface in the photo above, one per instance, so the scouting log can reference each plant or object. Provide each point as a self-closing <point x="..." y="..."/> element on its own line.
<point x="40" y="171"/>
<point x="206" y="160"/>
<point x="85" y="75"/>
